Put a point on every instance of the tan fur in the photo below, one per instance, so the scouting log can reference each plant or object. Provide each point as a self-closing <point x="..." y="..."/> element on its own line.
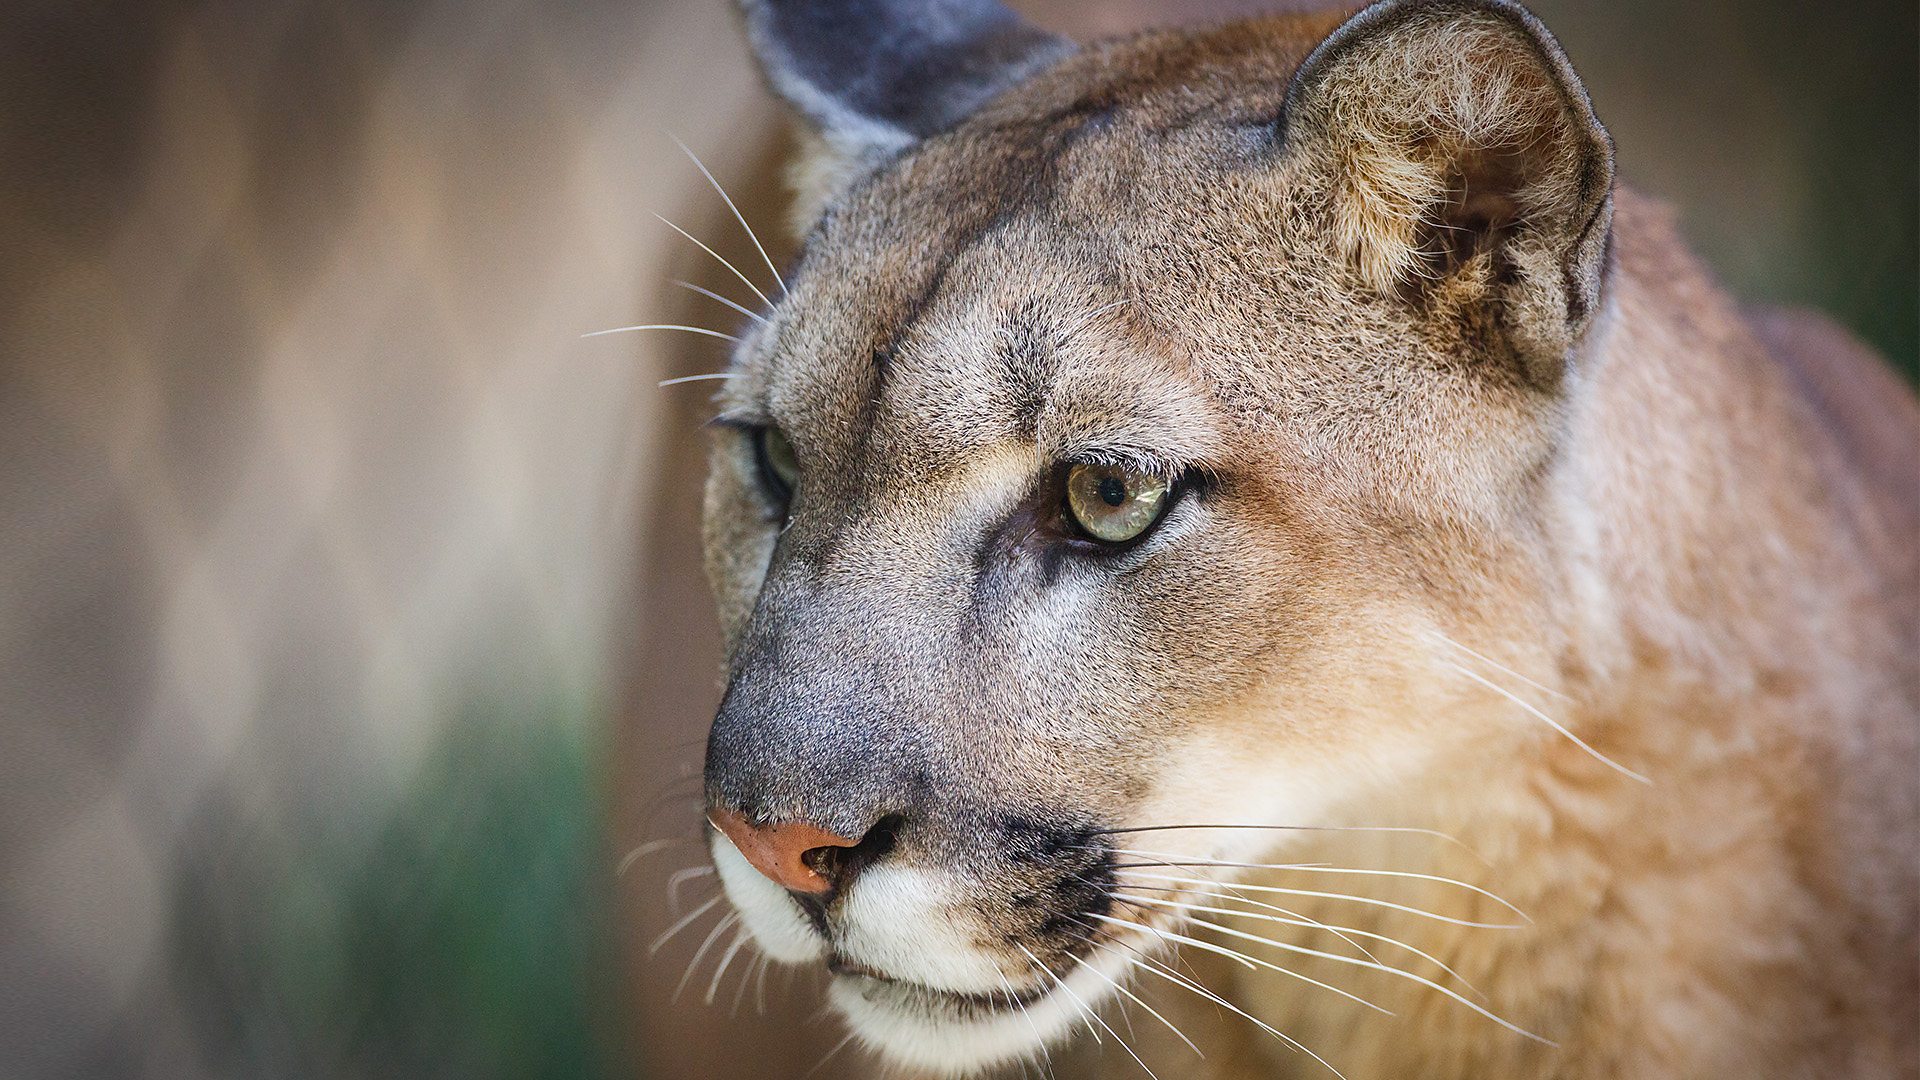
<point x="1696" y="539"/>
<point x="1409" y="113"/>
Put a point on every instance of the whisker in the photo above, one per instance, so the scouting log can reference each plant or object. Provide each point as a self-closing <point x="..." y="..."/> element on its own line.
<point x="1340" y="932"/>
<point x="681" y="877"/>
<point x="712" y="935"/>
<point x="744" y="279"/>
<point x="1068" y="990"/>
<point x="726" y="960"/>
<point x="1251" y="961"/>
<point x="1497" y="665"/>
<point x="685" y="920"/>
<point x="1155" y="967"/>
<point x="649" y="848"/>
<point x="746" y="980"/>
<point x="1320" y="868"/>
<point x="698" y="378"/>
<point x="737" y="215"/>
<point x="711" y="295"/>
<point x="760" y="985"/>
<point x="1401" y="973"/>
<point x="1290" y="917"/>
<point x="1549" y="721"/>
<point x="1014" y="999"/>
<point x="661" y="326"/>
<point x="1151" y="1011"/>
<point x="1367" y="900"/>
<point x="1042" y="968"/>
<point x="1197" y="861"/>
<point x="1236" y="896"/>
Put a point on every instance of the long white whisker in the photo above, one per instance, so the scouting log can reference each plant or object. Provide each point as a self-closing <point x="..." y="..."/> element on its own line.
<point x="1318" y="925"/>
<point x="685" y="920"/>
<point x="1157" y="968"/>
<point x="712" y="935"/>
<point x="1367" y="900"/>
<point x="1235" y="895"/>
<point x="1042" y="968"/>
<point x="1341" y="932"/>
<point x="746" y="980"/>
<point x="705" y="377"/>
<point x="1068" y="990"/>
<point x="711" y="295"/>
<point x="1151" y="1011"/>
<point x="681" y="877"/>
<point x="1321" y="868"/>
<point x="726" y="960"/>
<point x="737" y="215"/>
<point x="1014" y="999"/>
<point x="648" y="848"/>
<point x="1498" y="666"/>
<point x="744" y="279"/>
<point x="1548" y="720"/>
<point x="1401" y="973"/>
<point x="703" y="331"/>
<point x="1250" y="961"/>
<point x="1286" y="915"/>
<point x="760" y="986"/>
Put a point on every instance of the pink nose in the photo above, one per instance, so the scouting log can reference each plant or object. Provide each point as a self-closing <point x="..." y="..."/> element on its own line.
<point x="779" y="850"/>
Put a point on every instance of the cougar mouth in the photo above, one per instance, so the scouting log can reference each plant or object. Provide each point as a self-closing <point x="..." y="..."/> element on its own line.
<point x="883" y="989"/>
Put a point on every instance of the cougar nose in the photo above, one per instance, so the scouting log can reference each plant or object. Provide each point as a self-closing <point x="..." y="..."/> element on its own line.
<point x="793" y="854"/>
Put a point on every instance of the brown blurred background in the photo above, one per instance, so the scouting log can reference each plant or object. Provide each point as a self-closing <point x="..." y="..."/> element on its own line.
<point x="352" y="629"/>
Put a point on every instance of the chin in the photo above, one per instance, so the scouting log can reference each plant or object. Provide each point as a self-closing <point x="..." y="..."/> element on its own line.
<point x="958" y="1035"/>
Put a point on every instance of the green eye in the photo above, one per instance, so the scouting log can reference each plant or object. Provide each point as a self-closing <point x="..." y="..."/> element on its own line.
<point x="1114" y="505"/>
<point x="779" y="468"/>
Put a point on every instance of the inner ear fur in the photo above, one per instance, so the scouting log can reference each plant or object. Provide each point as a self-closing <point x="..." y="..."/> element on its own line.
<point x="1462" y="150"/>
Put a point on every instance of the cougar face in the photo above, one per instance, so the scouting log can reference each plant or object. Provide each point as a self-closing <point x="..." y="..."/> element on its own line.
<point x="1138" y="425"/>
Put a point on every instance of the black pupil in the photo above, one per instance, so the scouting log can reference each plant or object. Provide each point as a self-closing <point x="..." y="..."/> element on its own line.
<point x="1113" y="490"/>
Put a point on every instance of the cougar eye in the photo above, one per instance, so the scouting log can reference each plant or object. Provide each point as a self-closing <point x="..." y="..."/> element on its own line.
<point x="1113" y="504"/>
<point x="779" y="468"/>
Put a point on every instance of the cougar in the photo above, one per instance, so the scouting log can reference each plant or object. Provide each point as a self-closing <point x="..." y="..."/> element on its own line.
<point x="1246" y="553"/>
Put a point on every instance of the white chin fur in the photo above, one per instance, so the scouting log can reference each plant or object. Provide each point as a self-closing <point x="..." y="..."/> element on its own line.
<point x="900" y="920"/>
<point x="952" y="1044"/>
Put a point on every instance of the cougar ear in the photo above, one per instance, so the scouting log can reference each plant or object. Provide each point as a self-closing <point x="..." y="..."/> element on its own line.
<point x="871" y="77"/>
<point x="1464" y="155"/>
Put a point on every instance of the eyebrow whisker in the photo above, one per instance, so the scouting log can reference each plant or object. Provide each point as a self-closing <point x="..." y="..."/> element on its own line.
<point x="711" y="295"/>
<point x="737" y="215"/>
<point x="662" y="326"/>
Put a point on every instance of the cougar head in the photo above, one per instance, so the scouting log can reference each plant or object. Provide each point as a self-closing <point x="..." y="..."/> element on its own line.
<point x="1138" y="420"/>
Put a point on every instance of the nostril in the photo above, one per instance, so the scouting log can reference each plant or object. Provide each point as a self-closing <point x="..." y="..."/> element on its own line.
<point x="839" y="863"/>
<point x="785" y="852"/>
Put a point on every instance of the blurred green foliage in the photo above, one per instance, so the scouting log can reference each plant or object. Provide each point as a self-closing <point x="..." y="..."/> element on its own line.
<point x="462" y="933"/>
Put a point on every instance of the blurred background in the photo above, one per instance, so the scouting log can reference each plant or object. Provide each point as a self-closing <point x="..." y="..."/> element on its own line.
<point x="355" y="658"/>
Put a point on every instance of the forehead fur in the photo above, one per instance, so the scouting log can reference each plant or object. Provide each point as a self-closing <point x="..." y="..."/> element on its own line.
<point x="1115" y="258"/>
<point x="990" y="249"/>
